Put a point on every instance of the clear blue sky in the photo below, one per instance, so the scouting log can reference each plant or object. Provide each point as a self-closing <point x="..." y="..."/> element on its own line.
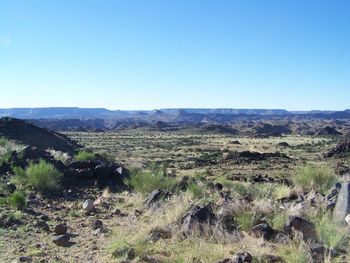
<point x="128" y="54"/>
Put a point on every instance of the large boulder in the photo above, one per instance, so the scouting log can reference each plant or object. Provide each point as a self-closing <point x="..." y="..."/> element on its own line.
<point x="342" y="207"/>
<point x="156" y="196"/>
<point x="197" y="218"/>
<point x="301" y="226"/>
<point x="263" y="230"/>
<point x="341" y="149"/>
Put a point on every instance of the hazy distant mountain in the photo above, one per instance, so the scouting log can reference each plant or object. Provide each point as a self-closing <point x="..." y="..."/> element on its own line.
<point x="166" y="115"/>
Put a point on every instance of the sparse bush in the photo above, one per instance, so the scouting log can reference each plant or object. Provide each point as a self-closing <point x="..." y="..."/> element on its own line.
<point x="315" y="177"/>
<point x="43" y="176"/>
<point x="146" y="182"/>
<point x="84" y="156"/>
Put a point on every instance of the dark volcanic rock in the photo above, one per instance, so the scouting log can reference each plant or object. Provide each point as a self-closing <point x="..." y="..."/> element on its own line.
<point x="302" y="226"/>
<point x="160" y="233"/>
<point x="156" y="196"/>
<point x="242" y="257"/>
<point x="263" y="230"/>
<point x="317" y="252"/>
<point x="29" y="134"/>
<point x="60" y="229"/>
<point x="248" y="156"/>
<point x="197" y="218"/>
<point x="283" y="144"/>
<point x="62" y="240"/>
<point x="342" y="207"/>
<point x="96" y="224"/>
<point x="341" y="149"/>
<point x="42" y="225"/>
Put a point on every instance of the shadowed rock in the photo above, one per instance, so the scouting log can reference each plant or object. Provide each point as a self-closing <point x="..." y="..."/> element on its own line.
<point x="302" y="226"/>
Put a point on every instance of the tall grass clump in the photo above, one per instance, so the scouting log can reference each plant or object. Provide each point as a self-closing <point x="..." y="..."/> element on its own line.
<point x="247" y="219"/>
<point x="17" y="200"/>
<point x="147" y="181"/>
<point x="196" y="190"/>
<point x="295" y="253"/>
<point x="43" y="176"/>
<point x="282" y="191"/>
<point x="315" y="177"/>
<point x="84" y="156"/>
<point x="334" y="235"/>
<point x="6" y="149"/>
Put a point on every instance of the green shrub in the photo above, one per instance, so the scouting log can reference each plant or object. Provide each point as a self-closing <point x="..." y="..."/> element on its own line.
<point x="146" y="182"/>
<point x="43" y="176"/>
<point x="17" y="200"/>
<point x="315" y="177"/>
<point x="84" y="156"/>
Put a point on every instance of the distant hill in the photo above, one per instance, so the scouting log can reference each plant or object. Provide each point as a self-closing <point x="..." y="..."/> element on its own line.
<point x="29" y="134"/>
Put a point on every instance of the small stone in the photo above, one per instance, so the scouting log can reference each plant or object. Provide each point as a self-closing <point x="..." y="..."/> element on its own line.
<point x="242" y="257"/>
<point x="347" y="219"/>
<point x="97" y="224"/>
<point x="88" y="205"/>
<point x="119" y="170"/>
<point x="22" y="249"/>
<point x="10" y="187"/>
<point x="44" y="218"/>
<point x="43" y="225"/>
<point x="60" y="229"/>
<point x="62" y="240"/>
<point x="24" y="259"/>
<point x="131" y="254"/>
